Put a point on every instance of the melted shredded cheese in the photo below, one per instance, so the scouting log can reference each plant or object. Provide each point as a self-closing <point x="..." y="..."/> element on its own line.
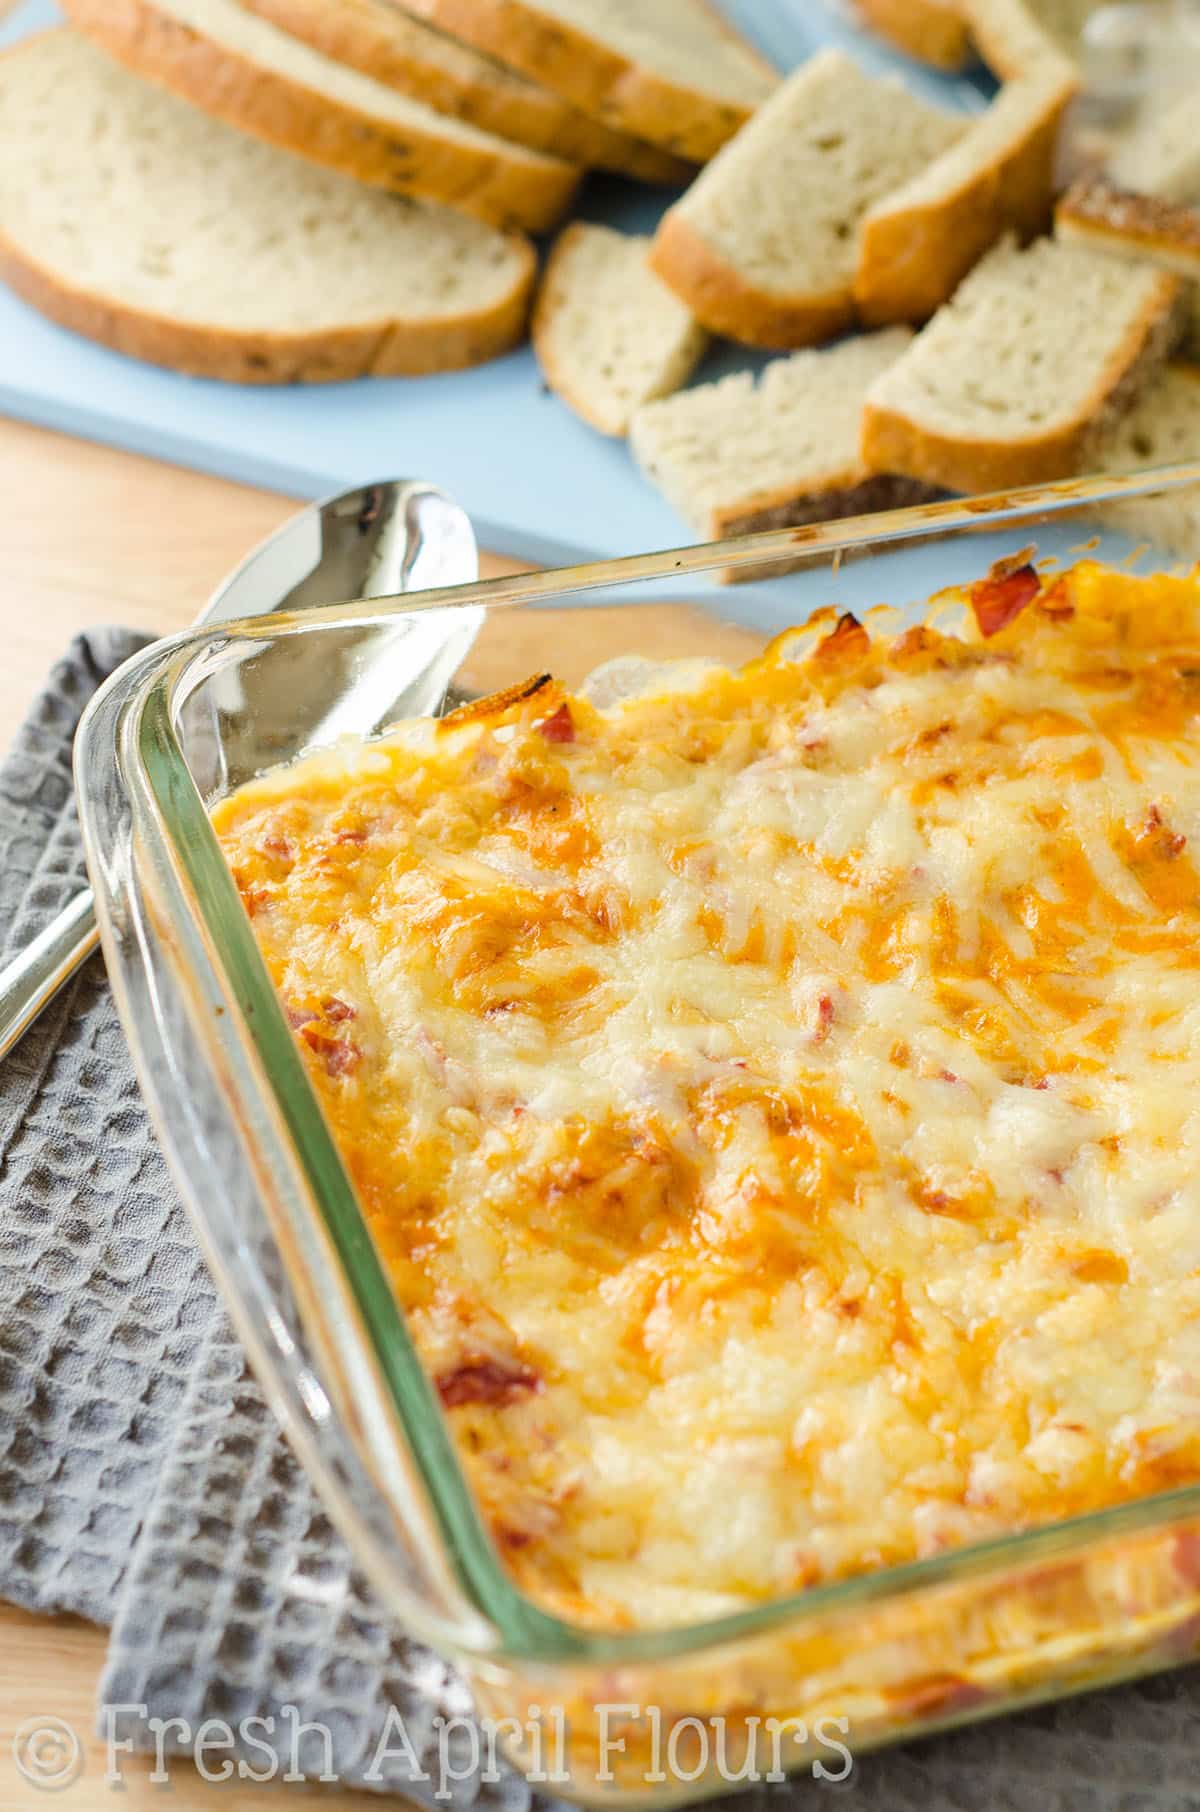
<point x="777" y="1097"/>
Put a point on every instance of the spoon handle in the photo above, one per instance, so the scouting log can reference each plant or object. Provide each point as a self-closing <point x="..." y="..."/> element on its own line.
<point x="34" y="976"/>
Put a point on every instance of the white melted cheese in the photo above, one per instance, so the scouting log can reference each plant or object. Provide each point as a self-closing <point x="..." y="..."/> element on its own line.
<point x="807" y="1095"/>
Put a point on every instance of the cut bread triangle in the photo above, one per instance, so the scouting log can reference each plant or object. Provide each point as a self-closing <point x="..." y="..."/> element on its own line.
<point x="244" y="70"/>
<point x="379" y="39"/>
<point x="764" y="245"/>
<point x="609" y="335"/>
<point x="917" y="244"/>
<point x="137" y="220"/>
<point x="670" y="71"/>
<point x="1018" y="378"/>
<point x="1139" y="228"/>
<point x="738" y="455"/>
<point x="1162" y="429"/>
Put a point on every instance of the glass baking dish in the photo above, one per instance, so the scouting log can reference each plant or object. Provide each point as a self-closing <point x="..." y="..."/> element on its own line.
<point x="654" y="1714"/>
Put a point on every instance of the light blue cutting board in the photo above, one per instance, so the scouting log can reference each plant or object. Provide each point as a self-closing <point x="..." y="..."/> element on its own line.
<point x="537" y="481"/>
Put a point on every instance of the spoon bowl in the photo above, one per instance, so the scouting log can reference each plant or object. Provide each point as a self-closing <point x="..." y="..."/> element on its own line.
<point x="397" y="535"/>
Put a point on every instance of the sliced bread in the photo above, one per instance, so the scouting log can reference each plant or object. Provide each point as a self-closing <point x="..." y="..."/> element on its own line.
<point x="1017" y="378"/>
<point x="1010" y="35"/>
<point x="764" y="245"/>
<point x="1096" y="213"/>
<point x="378" y="38"/>
<point x="932" y="30"/>
<point x="1013" y="36"/>
<point x="609" y="335"/>
<point x="917" y="244"/>
<point x="1140" y="228"/>
<point x="1162" y="429"/>
<point x="243" y="69"/>
<point x="135" y="219"/>
<point x="735" y="456"/>
<point x="670" y="71"/>
<point x="1161" y="156"/>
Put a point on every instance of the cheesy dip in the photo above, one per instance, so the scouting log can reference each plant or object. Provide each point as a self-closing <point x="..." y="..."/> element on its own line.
<point x="776" y="1096"/>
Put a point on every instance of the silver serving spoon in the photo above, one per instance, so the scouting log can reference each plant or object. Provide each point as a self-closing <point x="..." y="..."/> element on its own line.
<point x="401" y="535"/>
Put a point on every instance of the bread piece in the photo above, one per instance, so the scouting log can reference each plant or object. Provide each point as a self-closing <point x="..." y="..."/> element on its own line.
<point x="608" y="333"/>
<point x="134" y="219"/>
<point x="1162" y="429"/>
<point x="244" y="70"/>
<point x="1017" y="378"/>
<point x="932" y="30"/>
<point x="1162" y="155"/>
<point x="1096" y="213"/>
<point x="763" y="247"/>
<point x="1113" y="220"/>
<point x="671" y="71"/>
<point x="1140" y="228"/>
<point x="1010" y="35"/>
<point x="382" y="41"/>
<point x="917" y="244"/>
<point x="1014" y="36"/>
<point x="735" y="456"/>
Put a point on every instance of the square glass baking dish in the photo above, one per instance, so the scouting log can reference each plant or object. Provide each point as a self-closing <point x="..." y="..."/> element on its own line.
<point x="657" y="1714"/>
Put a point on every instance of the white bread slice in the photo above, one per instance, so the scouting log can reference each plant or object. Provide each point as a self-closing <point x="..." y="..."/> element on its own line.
<point x="242" y="69"/>
<point x="931" y="30"/>
<point x="670" y="71"/>
<point x="1162" y="428"/>
<point x="917" y="244"/>
<point x="133" y="218"/>
<point x="1014" y="36"/>
<point x="378" y="38"/>
<point x="1162" y="155"/>
<point x="764" y="245"/>
<point x="1096" y="213"/>
<point x="608" y="333"/>
<point x="1139" y="228"/>
<point x="1018" y="377"/>
<point x="735" y="456"/>
<point x="1010" y="35"/>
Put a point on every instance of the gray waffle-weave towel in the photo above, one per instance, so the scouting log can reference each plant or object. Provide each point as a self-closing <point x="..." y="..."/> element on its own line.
<point x="125" y="1406"/>
<point x="102" y="1295"/>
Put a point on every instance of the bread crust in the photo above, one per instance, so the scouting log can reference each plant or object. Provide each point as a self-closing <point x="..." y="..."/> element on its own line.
<point x="1097" y="212"/>
<point x="894" y="442"/>
<point x="525" y="189"/>
<point x="827" y="499"/>
<point x="382" y="349"/>
<point x="933" y="31"/>
<point x="599" y="80"/>
<point x="363" y="34"/>
<point x="913" y="254"/>
<point x="722" y="300"/>
<point x="546" y="305"/>
<point x="830" y="499"/>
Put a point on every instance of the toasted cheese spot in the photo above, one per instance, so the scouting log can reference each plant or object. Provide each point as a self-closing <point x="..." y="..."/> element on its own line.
<point x="776" y="1097"/>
